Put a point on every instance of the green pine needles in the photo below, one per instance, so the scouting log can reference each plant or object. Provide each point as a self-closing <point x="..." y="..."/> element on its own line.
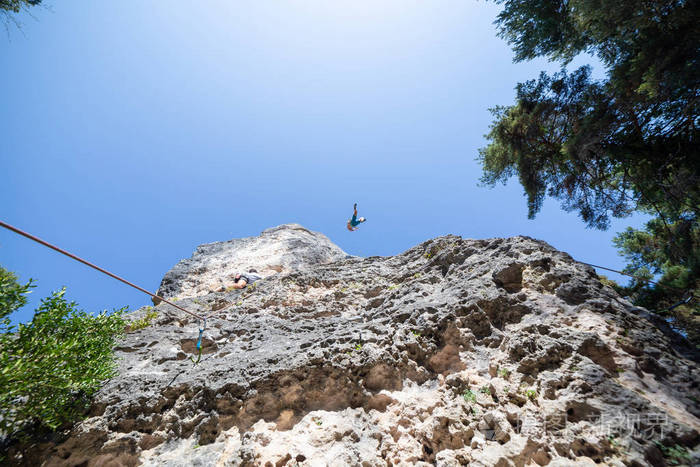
<point x="607" y="148"/>
<point x="51" y="366"/>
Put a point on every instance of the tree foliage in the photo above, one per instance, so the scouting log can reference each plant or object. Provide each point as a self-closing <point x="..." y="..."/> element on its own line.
<point x="10" y="8"/>
<point x="672" y="251"/>
<point x="610" y="147"/>
<point x="12" y="297"/>
<point x="51" y="366"/>
<point x="17" y="5"/>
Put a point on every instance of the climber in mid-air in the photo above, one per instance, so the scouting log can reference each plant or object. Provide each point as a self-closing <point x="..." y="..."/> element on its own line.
<point x="354" y="222"/>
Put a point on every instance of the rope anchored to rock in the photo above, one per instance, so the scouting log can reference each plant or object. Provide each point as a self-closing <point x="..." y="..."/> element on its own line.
<point x="688" y="295"/>
<point x="104" y="271"/>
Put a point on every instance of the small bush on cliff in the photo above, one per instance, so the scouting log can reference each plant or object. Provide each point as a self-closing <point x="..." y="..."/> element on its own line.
<point x="676" y="455"/>
<point x="51" y="366"/>
<point x="469" y="396"/>
<point x="144" y="322"/>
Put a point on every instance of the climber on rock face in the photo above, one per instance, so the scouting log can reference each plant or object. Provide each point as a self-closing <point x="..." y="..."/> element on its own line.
<point x="242" y="280"/>
<point x="354" y="222"/>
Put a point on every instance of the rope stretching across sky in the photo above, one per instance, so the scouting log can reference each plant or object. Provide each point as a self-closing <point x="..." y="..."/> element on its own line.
<point x="87" y="263"/>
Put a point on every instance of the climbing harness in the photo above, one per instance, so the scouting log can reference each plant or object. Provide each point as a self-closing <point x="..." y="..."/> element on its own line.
<point x="199" y="341"/>
<point x="114" y="276"/>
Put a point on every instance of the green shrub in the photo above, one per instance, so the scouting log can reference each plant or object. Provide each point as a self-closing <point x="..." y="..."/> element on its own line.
<point x="469" y="396"/>
<point x="609" y="282"/>
<point x="51" y="366"/>
<point x="12" y="296"/>
<point x="676" y="455"/>
<point x="144" y="322"/>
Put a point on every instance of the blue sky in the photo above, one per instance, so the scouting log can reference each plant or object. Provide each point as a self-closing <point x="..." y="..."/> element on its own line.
<point x="134" y="131"/>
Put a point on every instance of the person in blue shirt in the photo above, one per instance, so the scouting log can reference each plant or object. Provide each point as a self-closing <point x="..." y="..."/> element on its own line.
<point x="354" y="222"/>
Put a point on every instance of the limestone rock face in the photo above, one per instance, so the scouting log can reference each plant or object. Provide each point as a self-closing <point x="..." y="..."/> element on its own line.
<point x="286" y="248"/>
<point x="498" y="352"/>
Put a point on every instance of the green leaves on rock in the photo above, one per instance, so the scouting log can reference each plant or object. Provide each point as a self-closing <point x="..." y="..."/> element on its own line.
<point x="51" y="366"/>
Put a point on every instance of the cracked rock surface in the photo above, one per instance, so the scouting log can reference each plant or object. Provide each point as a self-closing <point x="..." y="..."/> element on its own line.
<point x="285" y="248"/>
<point x="497" y="352"/>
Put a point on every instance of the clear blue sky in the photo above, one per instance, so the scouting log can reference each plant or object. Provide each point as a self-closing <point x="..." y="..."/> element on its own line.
<point x="133" y="131"/>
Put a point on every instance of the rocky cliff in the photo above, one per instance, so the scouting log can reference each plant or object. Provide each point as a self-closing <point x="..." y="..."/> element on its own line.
<point x="498" y="352"/>
<point x="282" y="249"/>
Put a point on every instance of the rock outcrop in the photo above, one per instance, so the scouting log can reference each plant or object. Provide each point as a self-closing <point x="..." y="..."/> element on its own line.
<point x="282" y="249"/>
<point x="498" y="352"/>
